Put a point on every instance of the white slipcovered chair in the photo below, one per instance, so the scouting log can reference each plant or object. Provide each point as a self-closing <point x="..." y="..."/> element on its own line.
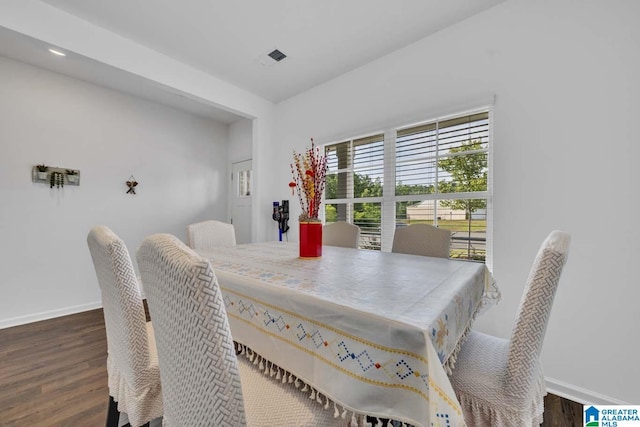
<point x="342" y="234"/>
<point x="500" y="382"/>
<point x="211" y="234"/>
<point x="422" y="239"/>
<point x="132" y="362"/>
<point x="204" y="383"/>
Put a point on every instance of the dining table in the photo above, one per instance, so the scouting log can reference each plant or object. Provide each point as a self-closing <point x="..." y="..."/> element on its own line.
<point x="368" y="333"/>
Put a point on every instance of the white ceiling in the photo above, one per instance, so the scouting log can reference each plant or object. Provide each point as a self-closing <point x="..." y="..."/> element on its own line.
<point x="35" y="52"/>
<point x="230" y="39"/>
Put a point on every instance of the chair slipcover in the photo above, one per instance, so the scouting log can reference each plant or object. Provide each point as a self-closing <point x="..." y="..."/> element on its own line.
<point x="422" y="239"/>
<point x="210" y="234"/>
<point x="132" y="363"/>
<point x="341" y="234"/>
<point x="500" y="382"/>
<point x="204" y="383"/>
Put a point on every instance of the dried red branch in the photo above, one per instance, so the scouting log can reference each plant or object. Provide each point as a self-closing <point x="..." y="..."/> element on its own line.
<point x="309" y="175"/>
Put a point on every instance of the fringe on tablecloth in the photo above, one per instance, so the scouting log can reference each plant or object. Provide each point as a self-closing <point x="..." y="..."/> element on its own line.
<point x="490" y="297"/>
<point x="356" y="419"/>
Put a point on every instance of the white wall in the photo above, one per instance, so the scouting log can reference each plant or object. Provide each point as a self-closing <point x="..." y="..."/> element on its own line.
<point x="179" y="160"/>
<point x="240" y="140"/>
<point x="565" y="76"/>
<point x="44" y="22"/>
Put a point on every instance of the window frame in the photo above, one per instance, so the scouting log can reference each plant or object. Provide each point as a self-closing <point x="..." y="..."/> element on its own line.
<point x="389" y="198"/>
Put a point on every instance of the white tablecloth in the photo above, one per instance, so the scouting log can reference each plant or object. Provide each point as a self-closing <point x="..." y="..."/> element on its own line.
<point x="369" y="330"/>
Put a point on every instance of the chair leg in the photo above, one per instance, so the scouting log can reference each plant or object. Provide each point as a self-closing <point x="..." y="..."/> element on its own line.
<point x="113" y="415"/>
<point x="143" y="425"/>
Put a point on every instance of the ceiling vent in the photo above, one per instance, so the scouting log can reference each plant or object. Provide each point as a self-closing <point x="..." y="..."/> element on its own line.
<point x="276" y="55"/>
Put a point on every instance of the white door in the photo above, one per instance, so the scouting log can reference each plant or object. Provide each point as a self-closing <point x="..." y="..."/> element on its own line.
<point x="241" y="183"/>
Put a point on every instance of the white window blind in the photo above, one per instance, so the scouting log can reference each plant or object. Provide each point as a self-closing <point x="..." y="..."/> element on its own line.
<point x="441" y="173"/>
<point x="355" y="176"/>
<point x="445" y="164"/>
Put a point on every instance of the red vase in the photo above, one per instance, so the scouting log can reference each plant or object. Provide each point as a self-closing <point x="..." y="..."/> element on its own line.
<point x="310" y="239"/>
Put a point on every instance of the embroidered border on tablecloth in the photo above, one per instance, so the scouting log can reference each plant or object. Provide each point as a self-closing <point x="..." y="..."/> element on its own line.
<point x="358" y="358"/>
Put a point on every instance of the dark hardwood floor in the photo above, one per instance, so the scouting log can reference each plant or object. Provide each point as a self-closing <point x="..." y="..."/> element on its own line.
<point x="559" y="412"/>
<point x="53" y="373"/>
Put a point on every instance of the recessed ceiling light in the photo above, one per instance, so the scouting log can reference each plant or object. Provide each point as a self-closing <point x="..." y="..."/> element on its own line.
<point x="57" y="52"/>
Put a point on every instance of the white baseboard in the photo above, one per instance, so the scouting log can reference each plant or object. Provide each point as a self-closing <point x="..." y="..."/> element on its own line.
<point x="22" y="320"/>
<point x="579" y="394"/>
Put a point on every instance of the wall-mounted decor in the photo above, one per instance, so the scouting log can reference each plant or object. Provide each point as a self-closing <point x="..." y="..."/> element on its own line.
<point x="132" y="185"/>
<point x="55" y="176"/>
<point x="42" y="171"/>
<point x="73" y="176"/>
<point x="56" y="179"/>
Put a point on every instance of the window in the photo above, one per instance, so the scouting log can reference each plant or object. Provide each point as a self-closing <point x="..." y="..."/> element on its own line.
<point x="244" y="183"/>
<point x="353" y="192"/>
<point x="435" y="172"/>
